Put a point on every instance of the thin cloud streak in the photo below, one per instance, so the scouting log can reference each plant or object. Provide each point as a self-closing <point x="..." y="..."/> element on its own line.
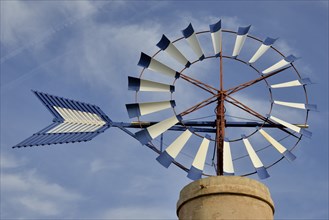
<point x="113" y="176"/>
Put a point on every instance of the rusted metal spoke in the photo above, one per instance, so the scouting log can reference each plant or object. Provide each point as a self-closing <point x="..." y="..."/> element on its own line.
<point x="199" y="84"/>
<point x="254" y="113"/>
<point x="200" y="105"/>
<point x="252" y="82"/>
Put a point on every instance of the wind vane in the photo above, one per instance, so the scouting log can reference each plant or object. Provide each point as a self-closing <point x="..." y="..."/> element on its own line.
<point x="78" y="121"/>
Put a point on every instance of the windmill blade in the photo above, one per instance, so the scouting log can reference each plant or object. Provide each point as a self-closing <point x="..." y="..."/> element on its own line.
<point x="227" y="159"/>
<point x="169" y="155"/>
<point x="74" y="122"/>
<point x="139" y="109"/>
<point x="142" y="85"/>
<point x="196" y="169"/>
<point x="146" y="135"/>
<point x="240" y="39"/>
<point x="291" y="126"/>
<point x="192" y="40"/>
<point x="166" y="45"/>
<point x="281" y="64"/>
<point x="257" y="163"/>
<point x="152" y="64"/>
<point x="282" y="150"/>
<point x="267" y="43"/>
<point x="293" y="83"/>
<point x="296" y="105"/>
<point x="216" y="37"/>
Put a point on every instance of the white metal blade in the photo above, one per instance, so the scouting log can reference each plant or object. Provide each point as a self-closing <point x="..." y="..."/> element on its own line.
<point x="272" y="141"/>
<point x="292" y="83"/>
<point x="143" y="85"/>
<point x="240" y="39"/>
<point x="147" y="86"/>
<point x="148" y="134"/>
<point x="281" y="64"/>
<point x="291" y="126"/>
<point x="175" y="147"/>
<point x="200" y="157"/>
<point x="156" y="66"/>
<point x="192" y="40"/>
<point x="166" y="45"/>
<point x="169" y="155"/>
<point x="281" y="149"/>
<point x="216" y="37"/>
<point x="177" y="55"/>
<point x="287" y="84"/>
<point x="257" y="163"/>
<point x="228" y="162"/>
<point x="139" y="109"/>
<point x="286" y="124"/>
<point x="252" y="154"/>
<point x="291" y="104"/>
<point x="161" y="127"/>
<point x="262" y="49"/>
<point x="196" y="169"/>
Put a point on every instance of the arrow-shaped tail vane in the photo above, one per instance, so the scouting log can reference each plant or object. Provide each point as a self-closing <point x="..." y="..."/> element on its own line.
<point x="74" y="122"/>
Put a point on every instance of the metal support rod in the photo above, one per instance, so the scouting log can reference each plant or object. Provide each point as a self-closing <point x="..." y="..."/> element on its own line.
<point x="256" y="114"/>
<point x="199" y="84"/>
<point x="202" y="124"/>
<point x="161" y="142"/>
<point x="199" y="105"/>
<point x="220" y="120"/>
<point x="252" y="82"/>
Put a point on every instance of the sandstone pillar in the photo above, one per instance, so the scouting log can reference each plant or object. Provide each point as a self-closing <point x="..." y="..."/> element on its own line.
<point x="225" y="197"/>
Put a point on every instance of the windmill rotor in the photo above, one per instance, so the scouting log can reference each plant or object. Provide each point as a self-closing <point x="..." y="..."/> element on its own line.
<point x="195" y="143"/>
<point x="219" y="96"/>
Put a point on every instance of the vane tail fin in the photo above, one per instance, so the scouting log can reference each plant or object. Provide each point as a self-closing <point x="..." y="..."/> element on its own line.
<point x="74" y="122"/>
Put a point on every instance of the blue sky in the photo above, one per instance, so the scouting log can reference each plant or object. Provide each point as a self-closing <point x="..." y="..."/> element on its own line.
<point x="85" y="50"/>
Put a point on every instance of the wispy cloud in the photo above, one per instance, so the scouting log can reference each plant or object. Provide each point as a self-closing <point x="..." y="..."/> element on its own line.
<point x="30" y="194"/>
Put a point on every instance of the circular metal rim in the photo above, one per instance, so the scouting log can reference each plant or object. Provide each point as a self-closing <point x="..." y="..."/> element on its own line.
<point x="270" y="91"/>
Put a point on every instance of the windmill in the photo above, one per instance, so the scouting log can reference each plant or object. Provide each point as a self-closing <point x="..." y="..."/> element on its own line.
<point x="76" y="121"/>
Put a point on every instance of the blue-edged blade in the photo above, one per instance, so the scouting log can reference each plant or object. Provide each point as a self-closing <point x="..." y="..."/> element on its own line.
<point x="240" y="39"/>
<point x="199" y="161"/>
